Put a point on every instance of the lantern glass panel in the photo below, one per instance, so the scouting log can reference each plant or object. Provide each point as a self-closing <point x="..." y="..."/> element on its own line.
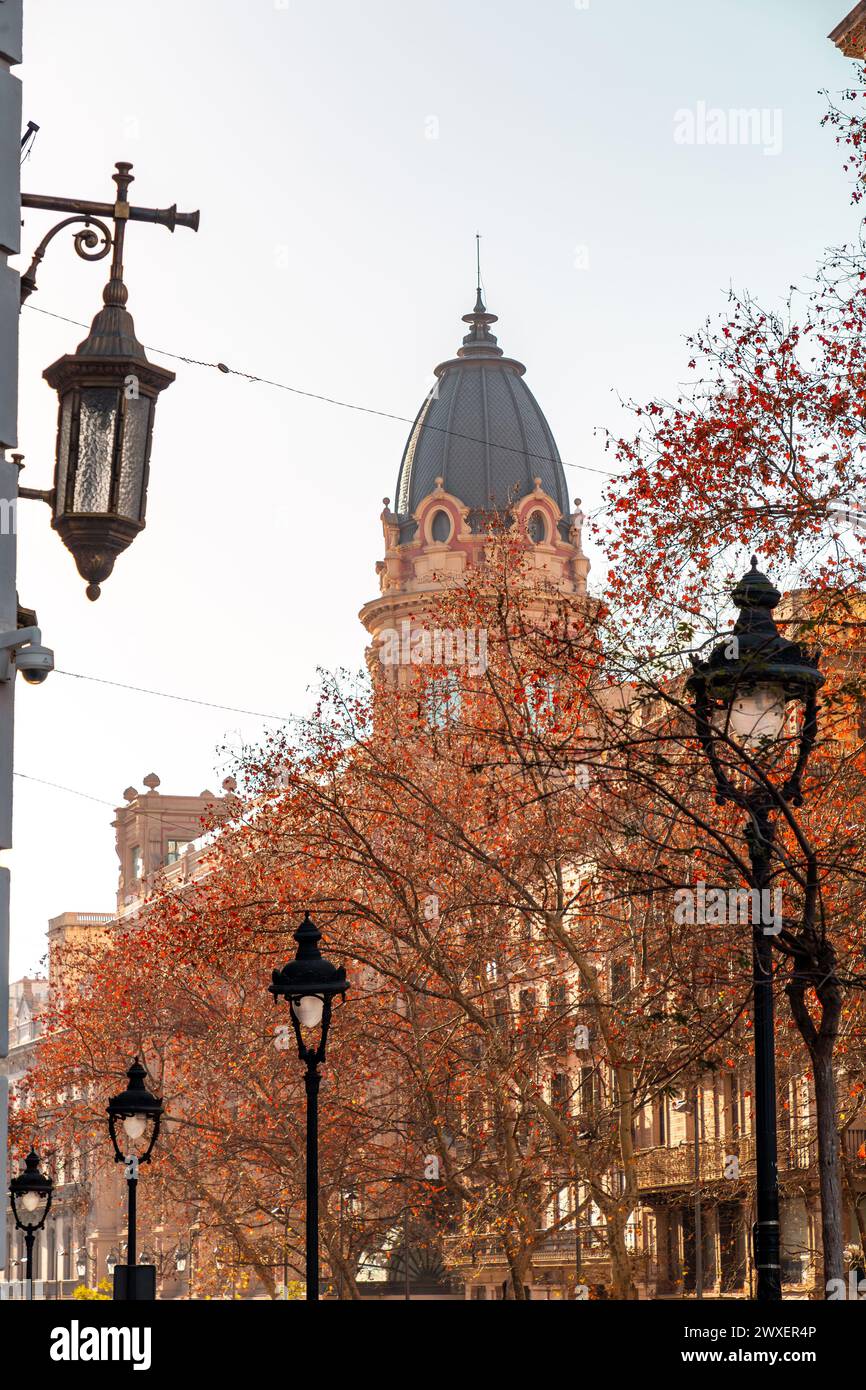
<point x="136" y="428"/>
<point x="31" y="1200"/>
<point x="135" y="1125"/>
<point x="64" y="435"/>
<point x="96" y="434"/>
<point x="308" y="1010"/>
<point x="754" y="717"/>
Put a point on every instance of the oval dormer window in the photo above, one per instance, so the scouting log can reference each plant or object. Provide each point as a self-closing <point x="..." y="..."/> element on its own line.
<point x="537" y="528"/>
<point x="440" y="529"/>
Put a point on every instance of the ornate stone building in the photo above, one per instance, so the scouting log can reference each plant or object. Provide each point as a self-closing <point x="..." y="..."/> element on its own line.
<point x="849" y="35"/>
<point x="480" y="448"/>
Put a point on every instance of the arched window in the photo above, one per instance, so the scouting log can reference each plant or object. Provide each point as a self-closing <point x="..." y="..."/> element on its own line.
<point x="441" y="527"/>
<point x="537" y="528"/>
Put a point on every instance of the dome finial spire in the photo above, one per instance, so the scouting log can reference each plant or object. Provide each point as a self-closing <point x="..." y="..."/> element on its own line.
<point x="479" y="341"/>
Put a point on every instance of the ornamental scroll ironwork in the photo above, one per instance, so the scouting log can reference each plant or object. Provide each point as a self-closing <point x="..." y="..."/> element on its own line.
<point x="85" y="241"/>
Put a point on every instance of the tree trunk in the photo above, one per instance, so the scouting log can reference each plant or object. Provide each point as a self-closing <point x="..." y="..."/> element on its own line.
<point x="518" y="1268"/>
<point x="620" y="1260"/>
<point x="342" y="1269"/>
<point x="830" y="1176"/>
<point x="815" y="969"/>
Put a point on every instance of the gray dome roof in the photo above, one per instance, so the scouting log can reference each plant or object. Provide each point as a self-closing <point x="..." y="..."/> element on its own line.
<point x="482" y="431"/>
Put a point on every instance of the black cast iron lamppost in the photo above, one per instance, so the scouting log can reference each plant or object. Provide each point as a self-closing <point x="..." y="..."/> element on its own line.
<point x="139" y="1112"/>
<point x="310" y="983"/>
<point x="107" y="390"/>
<point x="744" y="697"/>
<point x="30" y="1193"/>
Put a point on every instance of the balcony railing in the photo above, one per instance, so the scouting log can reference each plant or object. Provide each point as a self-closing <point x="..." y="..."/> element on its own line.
<point x="675" y="1166"/>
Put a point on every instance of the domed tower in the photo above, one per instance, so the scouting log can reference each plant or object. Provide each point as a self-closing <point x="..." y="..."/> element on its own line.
<point x="480" y="447"/>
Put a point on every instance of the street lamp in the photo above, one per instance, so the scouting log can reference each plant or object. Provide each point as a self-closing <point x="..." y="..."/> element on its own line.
<point x="107" y="391"/>
<point x="81" y="1263"/>
<point x="30" y="1193"/>
<point x="139" y="1112"/>
<point x="309" y="983"/>
<point x="744" y="698"/>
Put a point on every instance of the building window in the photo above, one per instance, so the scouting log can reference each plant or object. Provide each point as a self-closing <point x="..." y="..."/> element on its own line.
<point x="136" y="861"/>
<point x="174" y="849"/>
<point x="537" y="528"/>
<point x="540" y="702"/>
<point x="587" y="1089"/>
<point x="558" y="999"/>
<point x="440" y="529"/>
<point x="620" y="979"/>
<point x="560" y="1093"/>
<point x="442" y="698"/>
<point x="661" y="1117"/>
<point x="527" y="1003"/>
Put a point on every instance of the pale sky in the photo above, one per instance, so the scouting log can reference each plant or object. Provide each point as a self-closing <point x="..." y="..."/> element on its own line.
<point x="343" y="156"/>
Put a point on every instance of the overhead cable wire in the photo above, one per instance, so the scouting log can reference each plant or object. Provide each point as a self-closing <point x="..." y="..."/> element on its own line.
<point x="333" y="400"/>
<point x="184" y="699"/>
<point x="73" y="791"/>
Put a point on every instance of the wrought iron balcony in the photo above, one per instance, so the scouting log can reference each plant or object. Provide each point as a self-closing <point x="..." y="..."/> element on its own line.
<point x="674" y="1166"/>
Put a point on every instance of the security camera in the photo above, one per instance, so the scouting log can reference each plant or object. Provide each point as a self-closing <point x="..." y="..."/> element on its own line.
<point x="35" y="663"/>
<point x="22" y="650"/>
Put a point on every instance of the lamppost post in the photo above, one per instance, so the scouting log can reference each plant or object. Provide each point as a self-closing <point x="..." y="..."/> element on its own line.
<point x="760" y="833"/>
<point x="742" y="693"/>
<point x="32" y="1190"/>
<point x="312" y="1078"/>
<point x="131" y="1170"/>
<point x="29" y="1238"/>
<point x="309" y="984"/>
<point x="140" y="1112"/>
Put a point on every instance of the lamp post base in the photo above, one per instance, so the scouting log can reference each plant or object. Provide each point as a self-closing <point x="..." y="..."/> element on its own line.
<point x="135" y="1283"/>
